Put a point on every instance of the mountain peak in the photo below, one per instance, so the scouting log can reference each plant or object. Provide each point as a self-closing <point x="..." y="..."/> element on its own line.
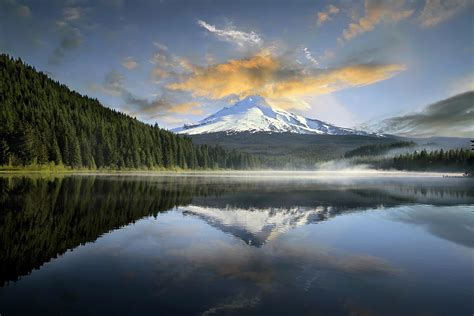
<point x="253" y="114"/>
<point x="252" y="100"/>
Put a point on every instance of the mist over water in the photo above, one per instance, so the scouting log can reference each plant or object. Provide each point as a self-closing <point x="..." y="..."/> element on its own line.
<point x="339" y="243"/>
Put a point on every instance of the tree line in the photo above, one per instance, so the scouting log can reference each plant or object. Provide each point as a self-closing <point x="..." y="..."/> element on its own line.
<point x="452" y="160"/>
<point x="44" y="122"/>
<point x="445" y="160"/>
<point x="376" y="149"/>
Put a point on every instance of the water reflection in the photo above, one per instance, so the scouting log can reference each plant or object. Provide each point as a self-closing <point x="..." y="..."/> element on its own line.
<point x="236" y="245"/>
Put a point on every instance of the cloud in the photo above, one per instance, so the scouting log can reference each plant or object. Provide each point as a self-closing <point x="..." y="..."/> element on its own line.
<point x="284" y="85"/>
<point x="330" y="109"/>
<point x="232" y="305"/>
<point x="72" y="13"/>
<point x="456" y="228"/>
<point x="12" y="7"/>
<point x="114" y="83"/>
<point x="192" y="108"/>
<point x="129" y="63"/>
<point x="70" y="34"/>
<point x="24" y="11"/>
<point x="325" y="16"/>
<point x="376" y="12"/>
<point x="328" y="54"/>
<point x="160" y="106"/>
<point x="71" y="38"/>
<point x="230" y="34"/>
<point x="149" y="109"/>
<point x="450" y="117"/>
<point x="438" y="11"/>
<point x="157" y="74"/>
<point x="167" y="64"/>
<point x="309" y="56"/>
<point x="333" y="9"/>
<point x="463" y="84"/>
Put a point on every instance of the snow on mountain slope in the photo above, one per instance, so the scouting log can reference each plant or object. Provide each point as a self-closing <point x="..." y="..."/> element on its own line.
<point x="256" y="226"/>
<point x="253" y="114"/>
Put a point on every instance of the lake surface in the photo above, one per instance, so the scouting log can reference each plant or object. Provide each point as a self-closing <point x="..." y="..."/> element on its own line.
<point x="310" y="244"/>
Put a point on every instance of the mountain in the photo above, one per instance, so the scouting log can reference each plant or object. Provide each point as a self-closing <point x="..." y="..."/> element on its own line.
<point x="256" y="226"/>
<point x="45" y="123"/>
<point x="254" y="115"/>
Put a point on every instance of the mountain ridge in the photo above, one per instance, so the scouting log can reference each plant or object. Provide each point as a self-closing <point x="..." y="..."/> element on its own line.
<point x="253" y="115"/>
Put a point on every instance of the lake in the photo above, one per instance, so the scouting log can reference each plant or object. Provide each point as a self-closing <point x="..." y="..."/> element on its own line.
<point x="237" y="244"/>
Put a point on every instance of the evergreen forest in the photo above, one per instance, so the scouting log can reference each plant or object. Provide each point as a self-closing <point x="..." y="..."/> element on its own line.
<point x="45" y="122"/>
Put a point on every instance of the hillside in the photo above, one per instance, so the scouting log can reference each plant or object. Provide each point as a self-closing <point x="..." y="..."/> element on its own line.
<point x="45" y="122"/>
<point x="289" y="150"/>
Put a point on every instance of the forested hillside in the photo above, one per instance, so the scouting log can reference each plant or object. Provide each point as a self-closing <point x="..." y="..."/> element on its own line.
<point x="377" y="149"/>
<point x="452" y="160"/>
<point x="291" y="151"/>
<point x="43" y="121"/>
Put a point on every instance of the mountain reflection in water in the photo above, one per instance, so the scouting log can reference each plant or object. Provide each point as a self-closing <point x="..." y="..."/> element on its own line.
<point x="43" y="218"/>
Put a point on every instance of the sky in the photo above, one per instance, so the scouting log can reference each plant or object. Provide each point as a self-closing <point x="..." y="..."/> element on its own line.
<point x="176" y="62"/>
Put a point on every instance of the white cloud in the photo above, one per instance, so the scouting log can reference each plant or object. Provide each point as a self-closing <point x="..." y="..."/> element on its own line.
<point x="310" y="57"/>
<point x="327" y="108"/>
<point x="230" y="34"/>
<point x="72" y="13"/>
<point x="160" y="46"/>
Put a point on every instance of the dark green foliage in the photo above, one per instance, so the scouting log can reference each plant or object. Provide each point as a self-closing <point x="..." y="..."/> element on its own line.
<point x="44" y="121"/>
<point x="4" y="152"/>
<point x="290" y="151"/>
<point x="450" y="160"/>
<point x="59" y="214"/>
<point x="376" y="149"/>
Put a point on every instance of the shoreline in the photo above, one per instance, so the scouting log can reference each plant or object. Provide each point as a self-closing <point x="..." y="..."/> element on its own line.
<point x="304" y="174"/>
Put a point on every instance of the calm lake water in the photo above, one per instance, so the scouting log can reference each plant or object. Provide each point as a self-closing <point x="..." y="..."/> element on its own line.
<point x="237" y="245"/>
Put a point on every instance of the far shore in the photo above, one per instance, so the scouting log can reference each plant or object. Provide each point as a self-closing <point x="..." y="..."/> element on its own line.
<point x="303" y="174"/>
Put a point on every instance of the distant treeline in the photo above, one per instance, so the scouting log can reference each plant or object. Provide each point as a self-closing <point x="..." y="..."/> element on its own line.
<point x="454" y="160"/>
<point x="450" y="160"/>
<point x="44" y="122"/>
<point x="376" y="149"/>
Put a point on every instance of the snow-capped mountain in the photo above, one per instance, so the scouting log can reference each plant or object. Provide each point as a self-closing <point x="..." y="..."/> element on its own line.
<point x="253" y="114"/>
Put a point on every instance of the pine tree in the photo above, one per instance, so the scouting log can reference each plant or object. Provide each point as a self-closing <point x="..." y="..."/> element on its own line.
<point x="5" y="158"/>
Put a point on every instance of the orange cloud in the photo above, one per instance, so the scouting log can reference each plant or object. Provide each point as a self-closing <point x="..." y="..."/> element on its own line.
<point x="237" y="76"/>
<point x="283" y="86"/>
<point x="377" y="12"/>
<point x="437" y="11"/>
<point x="157" y="74"/>
<point x="129" y="63"/>
<point x="186" y="108"/>
<point x="324" y="16"/>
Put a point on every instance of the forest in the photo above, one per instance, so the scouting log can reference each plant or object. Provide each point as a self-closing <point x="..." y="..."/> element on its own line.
<point x="377" y="149"/>
<point x="452" y="160"/>
<point x="44" y="122"/>
<point x="449" y="160"/>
